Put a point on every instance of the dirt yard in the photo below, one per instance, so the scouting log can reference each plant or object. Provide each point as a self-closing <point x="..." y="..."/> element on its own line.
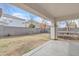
<point x="18" y="45"/>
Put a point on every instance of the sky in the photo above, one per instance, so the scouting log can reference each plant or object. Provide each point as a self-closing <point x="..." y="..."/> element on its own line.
<point x="15" y="11"/>
<point x="62" y="24"/>
<point x="18" y="12"/>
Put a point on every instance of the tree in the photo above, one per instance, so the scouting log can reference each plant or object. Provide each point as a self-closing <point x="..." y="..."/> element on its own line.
<point x="72" y="24"/>
<point x="31" y="26"/>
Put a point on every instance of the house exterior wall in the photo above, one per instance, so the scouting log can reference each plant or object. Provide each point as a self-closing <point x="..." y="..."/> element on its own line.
<point x="12" y="20"/>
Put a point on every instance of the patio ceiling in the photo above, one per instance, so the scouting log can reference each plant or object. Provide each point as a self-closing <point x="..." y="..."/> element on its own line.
<point x="55" y="10"/>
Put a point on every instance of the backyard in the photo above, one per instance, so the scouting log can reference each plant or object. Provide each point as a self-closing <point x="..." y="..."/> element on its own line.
<point x="18" y="45"/>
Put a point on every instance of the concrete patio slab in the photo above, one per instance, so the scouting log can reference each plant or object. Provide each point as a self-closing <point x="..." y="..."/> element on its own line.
<point x="56" y="48"/>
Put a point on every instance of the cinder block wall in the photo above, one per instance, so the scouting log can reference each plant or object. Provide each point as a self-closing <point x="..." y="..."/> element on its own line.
<point x="7" y="30"/>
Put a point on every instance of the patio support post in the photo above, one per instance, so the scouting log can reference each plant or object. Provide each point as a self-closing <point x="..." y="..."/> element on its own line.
<point x="53" y="31"/>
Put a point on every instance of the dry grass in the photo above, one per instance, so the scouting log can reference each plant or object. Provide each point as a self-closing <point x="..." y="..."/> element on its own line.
<point x="21" y="44"/>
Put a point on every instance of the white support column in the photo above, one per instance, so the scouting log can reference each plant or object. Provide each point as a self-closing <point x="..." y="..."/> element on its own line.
<point x="53" y="31"/>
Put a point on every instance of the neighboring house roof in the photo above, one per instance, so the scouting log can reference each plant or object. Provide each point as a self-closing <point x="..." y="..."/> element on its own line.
<point x="14" y="17"/>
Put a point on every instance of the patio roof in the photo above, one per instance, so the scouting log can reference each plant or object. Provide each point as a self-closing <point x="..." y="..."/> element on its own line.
<point x="56" y="11"/>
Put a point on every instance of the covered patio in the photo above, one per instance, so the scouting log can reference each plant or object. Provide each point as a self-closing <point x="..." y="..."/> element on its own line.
<point x="55" y="13"/>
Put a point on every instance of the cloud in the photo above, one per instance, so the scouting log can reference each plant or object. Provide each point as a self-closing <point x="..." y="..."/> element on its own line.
<point x="19" y="15"/>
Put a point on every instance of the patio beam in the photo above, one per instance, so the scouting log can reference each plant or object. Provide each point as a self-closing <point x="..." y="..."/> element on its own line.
<point x="29" y="9"/>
